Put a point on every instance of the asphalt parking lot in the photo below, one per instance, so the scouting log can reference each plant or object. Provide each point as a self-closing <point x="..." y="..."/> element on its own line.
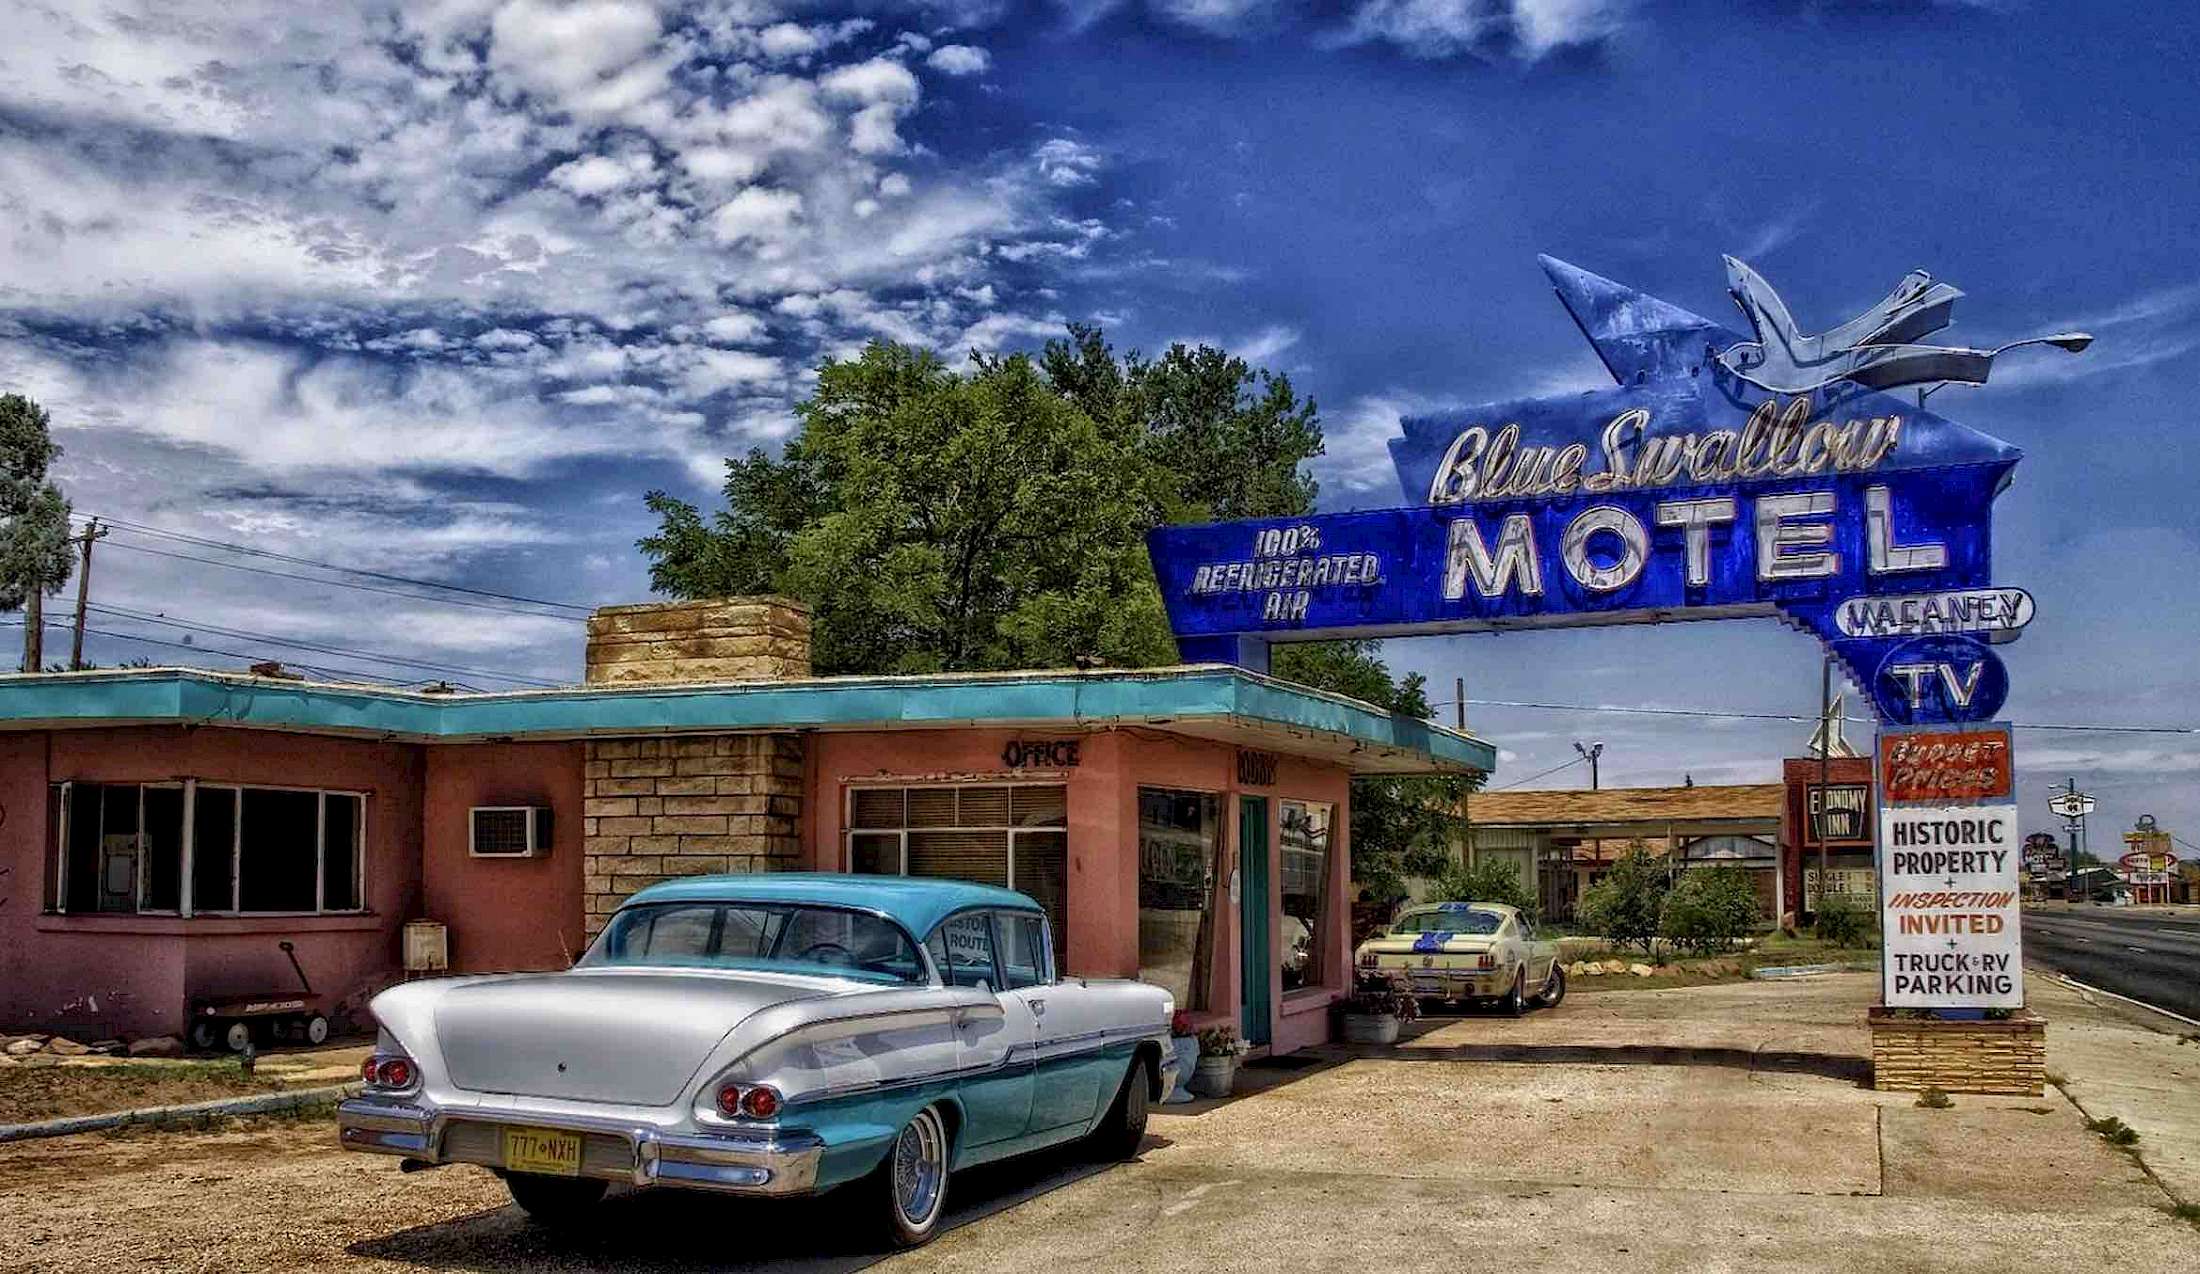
<point x="1707" y="1128"/>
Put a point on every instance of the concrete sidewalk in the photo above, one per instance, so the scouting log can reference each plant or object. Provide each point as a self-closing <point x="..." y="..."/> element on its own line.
<point x="1706" y="1128"/>
<point x="2114" y="1058"/>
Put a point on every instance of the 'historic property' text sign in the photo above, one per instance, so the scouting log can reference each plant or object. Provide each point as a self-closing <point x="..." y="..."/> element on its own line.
<point x="1949" y="871"/>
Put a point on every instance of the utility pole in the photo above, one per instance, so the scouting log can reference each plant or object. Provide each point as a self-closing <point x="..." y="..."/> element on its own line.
<point x="34" y="629"/>
<point x="92" y="531"/>
<point x="1459" y="702"/>
<point x="1825" y="773"/>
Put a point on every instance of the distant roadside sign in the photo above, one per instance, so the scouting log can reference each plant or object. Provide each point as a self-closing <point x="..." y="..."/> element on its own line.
<point x="2070" y="804"/>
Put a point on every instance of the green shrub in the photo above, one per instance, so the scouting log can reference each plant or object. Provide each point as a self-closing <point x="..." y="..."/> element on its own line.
<point x="1493" y="880"/>
<point x="2114" y="1131"/>
<point x="1842" y="923"/>
<point x="1935" y="1099"/>
<point x="1709" y="910"/>
<point x="1624" y="906"/>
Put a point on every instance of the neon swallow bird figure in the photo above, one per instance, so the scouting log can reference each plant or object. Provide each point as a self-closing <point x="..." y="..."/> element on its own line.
<point x="1877" y="349"/>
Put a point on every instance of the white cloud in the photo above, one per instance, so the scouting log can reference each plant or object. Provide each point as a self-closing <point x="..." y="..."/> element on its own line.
<point x="959" y="59"/>
<point x="324" y="268"/>
<point x="757" y="216"/>
<point x="1451" y="28"/>
<point x="602" y="174"/>
<point x="1065" y="161"/>
<point x="578" y="55"/>
<point x="1222" y="17"/>
<point x="734" y="329"/>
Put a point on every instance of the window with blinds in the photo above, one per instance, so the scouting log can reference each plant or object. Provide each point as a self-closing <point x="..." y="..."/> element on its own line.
<point x="1014" y="835"/>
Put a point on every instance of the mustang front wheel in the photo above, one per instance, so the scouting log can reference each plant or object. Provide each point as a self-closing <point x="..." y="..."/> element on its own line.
<point x="914" y="1180"/>
<point x="1554" y="990"/>
<point x="554" y="1201"/>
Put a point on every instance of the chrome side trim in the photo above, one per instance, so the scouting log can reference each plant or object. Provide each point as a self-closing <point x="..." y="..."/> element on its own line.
<point x="1022" y="1057"/>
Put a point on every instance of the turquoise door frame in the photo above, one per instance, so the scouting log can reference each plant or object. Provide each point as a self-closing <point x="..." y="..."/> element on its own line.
<point x="1256" y="963"/>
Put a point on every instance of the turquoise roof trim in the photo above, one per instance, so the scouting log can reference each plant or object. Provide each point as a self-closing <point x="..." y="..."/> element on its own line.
<point x="917" y="902"/>
<point x="1153" y="697"/>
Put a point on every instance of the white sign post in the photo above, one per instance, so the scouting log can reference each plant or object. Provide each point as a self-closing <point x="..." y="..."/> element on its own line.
<point x="1949" y="916"/>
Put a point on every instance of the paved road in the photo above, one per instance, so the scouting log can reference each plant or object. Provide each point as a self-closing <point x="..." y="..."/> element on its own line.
<point x="2147" y="955"/>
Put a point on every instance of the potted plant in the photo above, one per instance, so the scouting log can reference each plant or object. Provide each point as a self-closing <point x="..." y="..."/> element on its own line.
<point x="1184" y="1037"/>
<point x="1375" y="1010"/>
<point x="1216" y="1074"/>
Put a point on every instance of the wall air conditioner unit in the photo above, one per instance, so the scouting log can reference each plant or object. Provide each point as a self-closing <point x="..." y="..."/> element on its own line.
<point x="508" y="831"/>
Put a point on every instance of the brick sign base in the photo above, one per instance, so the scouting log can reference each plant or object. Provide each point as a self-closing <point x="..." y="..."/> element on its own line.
<point x="2004" y="1058"/>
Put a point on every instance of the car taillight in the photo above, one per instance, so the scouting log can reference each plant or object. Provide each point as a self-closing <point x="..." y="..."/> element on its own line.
<point x="1368" y="959"/>
<point x="384" y="1070"/>
<point x="748" y="1101"/>
<point x="1487" y="961"/>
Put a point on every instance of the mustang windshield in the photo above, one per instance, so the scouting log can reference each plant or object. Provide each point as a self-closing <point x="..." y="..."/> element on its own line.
<point x="749" y="935"/>
<point x="1471" y="921"/>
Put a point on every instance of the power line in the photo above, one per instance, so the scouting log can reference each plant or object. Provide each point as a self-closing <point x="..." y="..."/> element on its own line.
<point x="1799" y="718"/>
<point x="370" y="656"/>
<point x="254" y="656"/>
<point x="1533" y="777"/>
<point x="337" y="583"/>
<point x="255" y="551"/>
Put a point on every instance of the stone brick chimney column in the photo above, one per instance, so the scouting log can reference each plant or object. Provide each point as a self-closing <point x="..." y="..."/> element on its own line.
<point x="719" y="639"/>
<point x="660" y="806"/>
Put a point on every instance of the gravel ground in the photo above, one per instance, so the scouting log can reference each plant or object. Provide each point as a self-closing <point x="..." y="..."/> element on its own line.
<point x="278" y="1195"/>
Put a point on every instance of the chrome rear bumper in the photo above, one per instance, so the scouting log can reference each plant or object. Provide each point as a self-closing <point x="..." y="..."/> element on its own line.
<point x="761" y="1163"/>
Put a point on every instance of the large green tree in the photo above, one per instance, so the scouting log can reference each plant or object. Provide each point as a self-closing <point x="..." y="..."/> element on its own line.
<point x="1234" y="438"/>
<point x="937" y="519"/>
<point x="34" y="518"/>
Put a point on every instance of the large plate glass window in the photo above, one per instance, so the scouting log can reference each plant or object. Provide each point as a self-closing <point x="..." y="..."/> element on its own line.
<point x="120" y="847"/>
<point x="1305" y="893"/>
<point x="1014" y="835"/>
<point x="1177" y="835"/>
<point x="194" y="848"/>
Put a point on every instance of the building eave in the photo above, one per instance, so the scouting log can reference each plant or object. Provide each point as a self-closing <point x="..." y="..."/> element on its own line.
<point x="1211" y="701"/>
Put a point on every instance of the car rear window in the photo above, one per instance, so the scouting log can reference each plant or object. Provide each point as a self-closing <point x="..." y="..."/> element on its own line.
<point x="1472" y="921"/>
<point x="747" y="935"/>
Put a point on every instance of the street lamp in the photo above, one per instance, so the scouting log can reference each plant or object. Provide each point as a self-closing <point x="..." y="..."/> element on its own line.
<point x="1590" y="754"/>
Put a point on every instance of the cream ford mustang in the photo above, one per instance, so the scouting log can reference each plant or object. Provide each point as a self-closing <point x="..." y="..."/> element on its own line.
<point x="1467" y="951"/>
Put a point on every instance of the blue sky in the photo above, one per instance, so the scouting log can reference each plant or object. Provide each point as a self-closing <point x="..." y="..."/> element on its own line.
<point x="439" y="289"/>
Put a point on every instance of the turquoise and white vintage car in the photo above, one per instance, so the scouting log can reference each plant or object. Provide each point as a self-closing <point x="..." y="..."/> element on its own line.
<point x="770" y="1035"/>
<point x="1455" y="951"/>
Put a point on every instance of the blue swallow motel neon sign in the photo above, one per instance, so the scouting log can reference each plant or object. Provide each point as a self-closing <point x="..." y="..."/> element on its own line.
<point x="1686" y="491"/>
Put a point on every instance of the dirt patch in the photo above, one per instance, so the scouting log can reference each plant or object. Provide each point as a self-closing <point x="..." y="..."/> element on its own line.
<point x="32" y="1093"/>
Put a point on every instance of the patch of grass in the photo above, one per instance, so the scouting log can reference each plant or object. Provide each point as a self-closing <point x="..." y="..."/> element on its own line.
<point x="2058" y="1079"/>
<point x="32" y="1093"/>
<point x="1935" y="1099"/>
<point x="2189" y="1213"/>
<point x="2114" y="1131"/>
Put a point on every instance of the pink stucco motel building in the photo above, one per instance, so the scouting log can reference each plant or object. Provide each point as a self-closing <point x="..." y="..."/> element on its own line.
<point x="162" y="830"/>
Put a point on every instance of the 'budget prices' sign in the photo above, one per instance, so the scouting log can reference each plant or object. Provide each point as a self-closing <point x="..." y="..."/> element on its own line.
<point x="1948" y="879"/>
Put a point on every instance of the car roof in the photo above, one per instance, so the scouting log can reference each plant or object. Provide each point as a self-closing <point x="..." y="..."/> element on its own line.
<point x="919" y="903"/>
<point x="1495" y="908"/>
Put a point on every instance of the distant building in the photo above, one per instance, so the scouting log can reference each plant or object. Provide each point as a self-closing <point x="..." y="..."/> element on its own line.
<point x="1563" y="841"/>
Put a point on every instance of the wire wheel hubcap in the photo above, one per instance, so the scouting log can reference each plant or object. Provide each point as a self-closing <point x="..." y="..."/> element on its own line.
<point x="920" y="1168"/>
